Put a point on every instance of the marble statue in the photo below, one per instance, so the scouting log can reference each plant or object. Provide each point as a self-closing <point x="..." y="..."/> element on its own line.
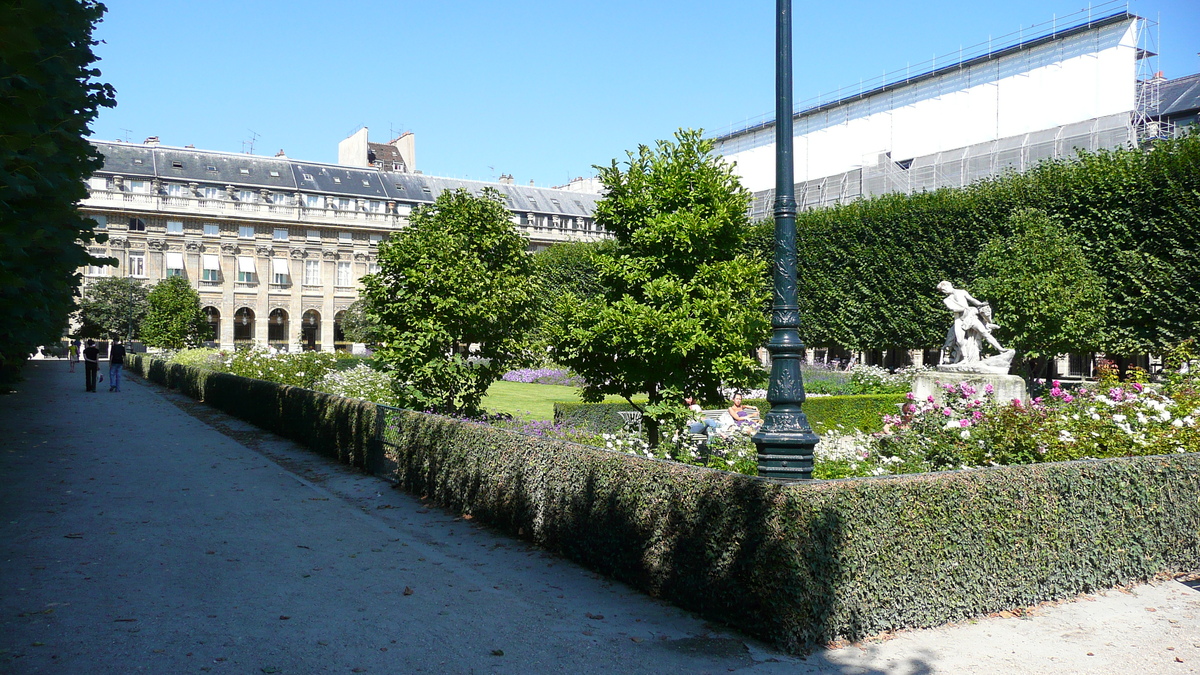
<point x="963" y="349"/>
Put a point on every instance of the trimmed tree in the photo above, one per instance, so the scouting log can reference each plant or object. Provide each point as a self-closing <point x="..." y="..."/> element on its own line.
<point x="174" y="319"/>
<point x="1047" y="297"/>
<point x="358" y="326"/>
<point x="680" y="303"/>
<point x="112" y="306"/>
<point x="50" y="97"/>
<point x="454" y="301"/>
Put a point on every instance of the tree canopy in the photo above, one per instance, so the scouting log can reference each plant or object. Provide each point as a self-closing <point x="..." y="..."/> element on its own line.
<point x="50" y="98"/>
<point x="680" y="304"/>
<point x="868" y="268"/>
<point x="1039" y="280"/>
<point x="454" y="301"/>
<point x="174" y="319"/>
<point x="112" y="306"/>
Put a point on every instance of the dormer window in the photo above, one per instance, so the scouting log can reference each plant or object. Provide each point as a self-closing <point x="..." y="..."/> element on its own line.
<point x="176" y="164"/>
<point x="212" y="168"/>
<point x="244" y="172"/>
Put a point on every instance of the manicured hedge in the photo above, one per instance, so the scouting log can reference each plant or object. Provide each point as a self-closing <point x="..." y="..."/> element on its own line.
<point x="796" y="564"/>
<point x="800" y="565"/>
<point x="864" y="413"/>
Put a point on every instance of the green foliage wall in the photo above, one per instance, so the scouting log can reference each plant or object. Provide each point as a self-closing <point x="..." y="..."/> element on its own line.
<point x="797" y="565"/>
<point x="50" y="97"/>
<point x="868" y="269"/>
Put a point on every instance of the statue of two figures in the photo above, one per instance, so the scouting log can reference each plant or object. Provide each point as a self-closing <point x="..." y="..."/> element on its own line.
<point x="963" y="349"/>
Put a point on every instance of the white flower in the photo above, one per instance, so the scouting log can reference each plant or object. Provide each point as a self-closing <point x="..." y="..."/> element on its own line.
<point x="1119" y="418"/>
<point x="965" y="433"/>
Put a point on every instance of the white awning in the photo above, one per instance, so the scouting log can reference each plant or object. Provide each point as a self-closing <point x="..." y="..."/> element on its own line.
<point x="174" y="260"/>
<point x="245" y="264"/>
<point x="279" y="266"/>
<point x="211" y="262"/>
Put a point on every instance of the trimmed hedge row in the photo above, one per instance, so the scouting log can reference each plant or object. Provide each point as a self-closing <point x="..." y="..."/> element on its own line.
<point x="864" y="413"/>
<point x="798" y="565"/>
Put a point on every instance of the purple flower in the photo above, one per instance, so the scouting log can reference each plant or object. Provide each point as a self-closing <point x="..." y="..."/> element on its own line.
<point x="947" y="412"/>
<point x="1068" y="398"/>
<point x="989" y="389"/>
<point x="1138" y="386"/>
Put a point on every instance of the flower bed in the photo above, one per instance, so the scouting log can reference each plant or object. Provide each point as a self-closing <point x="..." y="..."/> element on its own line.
<point x="544" y="376"/>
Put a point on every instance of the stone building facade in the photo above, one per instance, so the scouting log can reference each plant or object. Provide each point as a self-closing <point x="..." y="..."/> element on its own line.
<point x="275" y="246"/>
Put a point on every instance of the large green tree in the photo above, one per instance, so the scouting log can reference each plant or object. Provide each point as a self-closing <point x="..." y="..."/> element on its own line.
<point x="454" y="301"/>
<point x="358" y="326"/>
<point x="1046" y="295"/>
<point x="48" y="98"/>
<point x="174" y="319"/>
<point x="112" y="306"/>
<point x="680" y="305"/>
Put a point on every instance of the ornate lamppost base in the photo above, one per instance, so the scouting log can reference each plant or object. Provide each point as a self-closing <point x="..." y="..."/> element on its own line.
<point x="785" y="449"/>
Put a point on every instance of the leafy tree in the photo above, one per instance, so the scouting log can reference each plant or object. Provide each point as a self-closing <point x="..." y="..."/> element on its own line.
<point x="1048" y="299"/>
<point x="680" y="305"/>
<point x="112" y="306"/>
<point x="174" y="319"/>
<point x="454" y="300"/>
<point x="48" y="100"/>
<point x="571" y="267"/>
<point x="358" y="326"/>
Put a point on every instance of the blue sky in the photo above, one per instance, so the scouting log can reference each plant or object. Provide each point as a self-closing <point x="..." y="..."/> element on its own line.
<point x="538" y="90"/>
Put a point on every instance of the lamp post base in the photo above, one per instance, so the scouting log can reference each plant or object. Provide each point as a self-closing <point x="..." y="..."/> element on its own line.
<point x="785" y="448"/>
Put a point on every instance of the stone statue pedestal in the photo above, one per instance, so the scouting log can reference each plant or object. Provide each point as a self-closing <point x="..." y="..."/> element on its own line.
<point x="1004" y="387"/>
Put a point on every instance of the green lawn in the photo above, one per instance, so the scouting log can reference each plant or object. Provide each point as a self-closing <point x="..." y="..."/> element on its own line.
<point x="531" y="401"/>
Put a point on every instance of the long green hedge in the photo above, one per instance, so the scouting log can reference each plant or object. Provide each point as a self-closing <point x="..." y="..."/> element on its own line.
<point x="863" y="413"/>
<point x="798" y="565"/>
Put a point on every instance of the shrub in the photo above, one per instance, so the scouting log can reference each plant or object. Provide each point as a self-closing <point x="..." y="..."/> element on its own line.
<point x="361" y="382"/>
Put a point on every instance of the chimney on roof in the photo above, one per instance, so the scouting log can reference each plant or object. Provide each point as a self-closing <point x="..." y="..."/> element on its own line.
<point x="151" y="140"/>
<point x="506" y="179"/>
<point x="189" y="145"/>
<point x="281" y="153"/>
<point x="530" y="182"/>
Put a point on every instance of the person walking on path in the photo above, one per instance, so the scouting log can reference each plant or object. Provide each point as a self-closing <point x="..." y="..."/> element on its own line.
<point x="91" y="365"/>
<point x="116" y="359"/>
<point x="73" y="354"/>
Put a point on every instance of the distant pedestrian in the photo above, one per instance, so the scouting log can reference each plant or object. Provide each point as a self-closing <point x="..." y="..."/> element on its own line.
<point x="91" y="365"/>
<point x="116" y="359"/>
<point x="73" y="353"/>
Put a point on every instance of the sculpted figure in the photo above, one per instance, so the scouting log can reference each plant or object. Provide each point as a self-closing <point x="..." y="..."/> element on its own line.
<point x="972" y="325"/>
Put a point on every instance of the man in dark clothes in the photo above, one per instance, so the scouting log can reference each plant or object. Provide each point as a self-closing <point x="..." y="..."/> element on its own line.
<point x="91" y="365"/>
<point x="116" y="359"/>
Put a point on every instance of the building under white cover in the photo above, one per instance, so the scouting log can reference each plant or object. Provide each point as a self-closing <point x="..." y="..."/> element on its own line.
<point x="1044" y="92"/>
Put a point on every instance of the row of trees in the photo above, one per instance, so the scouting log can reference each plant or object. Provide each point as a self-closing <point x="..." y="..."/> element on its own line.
<point x="673" y="301"/>
<point x="165" y="315"/>
<point x="50" y="97"/>
<point x="1092" y="254"/>
<point x="1096" y="253"/>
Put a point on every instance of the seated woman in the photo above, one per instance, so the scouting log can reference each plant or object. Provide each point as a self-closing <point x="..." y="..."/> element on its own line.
<point x="699" y="424"/>
<point x="743" y="417"/>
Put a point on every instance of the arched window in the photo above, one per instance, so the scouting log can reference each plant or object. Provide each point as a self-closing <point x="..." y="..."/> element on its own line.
<point x="310" y="330"/>
<point x="213" y="316"/>
<point x="277" y="330"/>
<point x="339" y="337"/>
<point x="243" y="327"/>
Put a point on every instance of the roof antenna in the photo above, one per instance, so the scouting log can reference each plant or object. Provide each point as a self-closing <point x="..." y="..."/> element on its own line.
<point x="250" y="143"/>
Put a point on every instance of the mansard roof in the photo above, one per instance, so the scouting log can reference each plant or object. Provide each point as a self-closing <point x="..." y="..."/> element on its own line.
<point x="281" y="173"/>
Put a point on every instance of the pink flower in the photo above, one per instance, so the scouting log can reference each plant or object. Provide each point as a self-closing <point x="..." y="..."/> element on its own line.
<point x="1055" y="384"/>
<point x="909" y="396"/>
<point x="1138" y="386"/>
<point x="989" y="389"/>
<point x="947" y="412"/>
<point x="910" y="408"/>
<point x="978" y="414"/>
<point x="964" y="423"/>
<point x="929" y="398"/>
<point x="1068" y="398"/>
<point x="1017" y="402"/>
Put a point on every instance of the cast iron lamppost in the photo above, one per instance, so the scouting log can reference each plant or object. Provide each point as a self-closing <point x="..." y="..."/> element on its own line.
<point x="785" y="442"/>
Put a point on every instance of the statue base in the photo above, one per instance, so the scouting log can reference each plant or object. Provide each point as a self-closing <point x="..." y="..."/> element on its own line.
<point x="1004" y="387"/>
